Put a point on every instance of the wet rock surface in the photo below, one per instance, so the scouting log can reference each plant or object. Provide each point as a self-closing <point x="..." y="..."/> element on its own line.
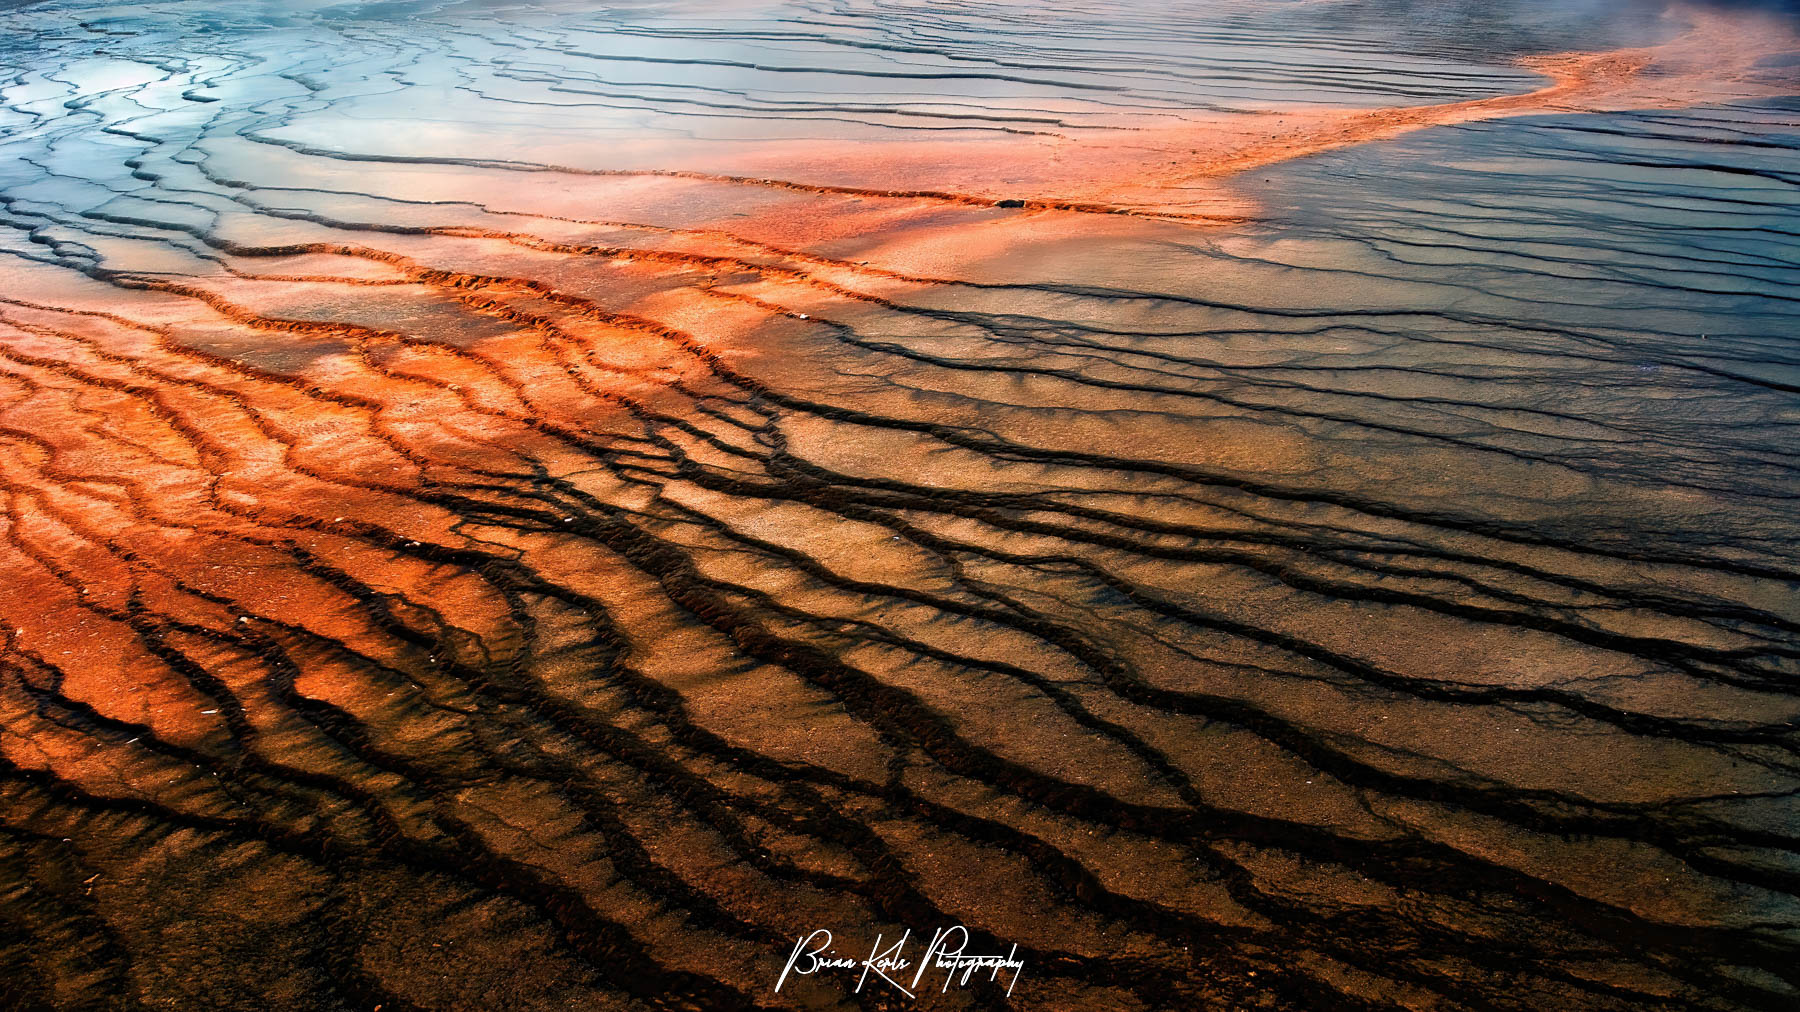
<point x="528" y="507"/>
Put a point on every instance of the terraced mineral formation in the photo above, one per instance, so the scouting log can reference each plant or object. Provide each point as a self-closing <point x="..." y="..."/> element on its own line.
<point x="1272" y="505"/>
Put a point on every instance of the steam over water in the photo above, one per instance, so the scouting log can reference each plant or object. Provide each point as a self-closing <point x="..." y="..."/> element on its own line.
<point x="1273" y="505"/>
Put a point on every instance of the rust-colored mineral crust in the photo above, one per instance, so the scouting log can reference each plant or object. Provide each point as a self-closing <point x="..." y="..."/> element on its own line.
<point x="547" y="507"/>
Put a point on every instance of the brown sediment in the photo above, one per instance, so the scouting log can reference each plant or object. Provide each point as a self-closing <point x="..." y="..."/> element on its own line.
<point x="653" y="568"/>
<point x="463" y="583"/>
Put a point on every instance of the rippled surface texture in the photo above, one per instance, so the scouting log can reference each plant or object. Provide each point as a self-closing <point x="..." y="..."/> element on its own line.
<point x="1258" y="505"/>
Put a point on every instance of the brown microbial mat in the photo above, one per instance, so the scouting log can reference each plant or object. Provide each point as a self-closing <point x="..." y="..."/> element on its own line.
<point x="828" y="504"/>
